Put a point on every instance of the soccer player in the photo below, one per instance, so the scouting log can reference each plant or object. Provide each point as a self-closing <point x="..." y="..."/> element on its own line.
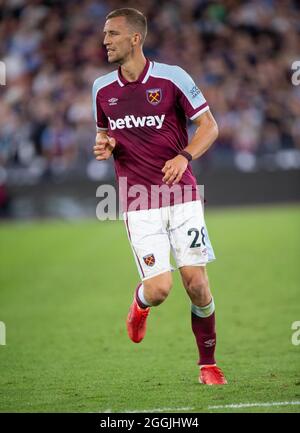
<point x="140" y="112"/>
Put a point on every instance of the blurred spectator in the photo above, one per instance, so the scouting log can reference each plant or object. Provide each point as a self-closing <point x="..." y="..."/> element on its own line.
<point x="239" y="52"/>
<point x="58" y="145"/>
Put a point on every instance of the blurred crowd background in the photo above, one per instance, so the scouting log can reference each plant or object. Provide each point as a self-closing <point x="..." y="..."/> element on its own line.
<point x="240" y="53"/>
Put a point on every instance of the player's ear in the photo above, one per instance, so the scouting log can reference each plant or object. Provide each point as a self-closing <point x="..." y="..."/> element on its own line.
<point x="136" y="39"/>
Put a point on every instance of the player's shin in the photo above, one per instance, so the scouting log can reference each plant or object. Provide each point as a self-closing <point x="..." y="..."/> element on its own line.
<point x="203" y="325"/>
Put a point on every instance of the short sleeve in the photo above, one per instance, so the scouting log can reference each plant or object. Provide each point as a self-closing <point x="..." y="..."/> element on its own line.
<point x="99" y="115"/>
<point x="189" y="95"/>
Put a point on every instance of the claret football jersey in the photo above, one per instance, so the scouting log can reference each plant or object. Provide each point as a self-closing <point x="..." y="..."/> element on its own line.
<point x="148" y="118"/>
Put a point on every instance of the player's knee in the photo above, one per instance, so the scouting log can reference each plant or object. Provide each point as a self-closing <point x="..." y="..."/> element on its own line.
<point x="159" y="295"/>
<point x="156" y="294"/>
<point x="197" y="287"/>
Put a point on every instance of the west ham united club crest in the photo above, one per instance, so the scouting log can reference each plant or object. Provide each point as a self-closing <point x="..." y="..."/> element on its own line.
<point x="154" y="96"/>
<point x="149" y="259"/>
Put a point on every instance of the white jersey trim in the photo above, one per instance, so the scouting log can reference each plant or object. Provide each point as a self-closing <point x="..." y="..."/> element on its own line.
<point x="148" y="73"/>
<point x="119" y="81"/>
<point x="101" y="129"/>
<point x="199" y="112"/>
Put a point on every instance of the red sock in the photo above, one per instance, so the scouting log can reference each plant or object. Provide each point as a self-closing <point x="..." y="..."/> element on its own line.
<point x="205" y="334"/>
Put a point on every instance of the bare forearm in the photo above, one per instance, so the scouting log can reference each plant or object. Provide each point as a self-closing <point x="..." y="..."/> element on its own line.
<point x="204" y="137"/>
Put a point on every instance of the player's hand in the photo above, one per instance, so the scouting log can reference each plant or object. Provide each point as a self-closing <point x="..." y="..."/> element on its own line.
<point x="104" y="147"/>
<point x="174" y="169"/>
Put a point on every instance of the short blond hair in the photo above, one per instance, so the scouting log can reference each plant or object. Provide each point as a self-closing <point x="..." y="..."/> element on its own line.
<point x="134" y="17"/>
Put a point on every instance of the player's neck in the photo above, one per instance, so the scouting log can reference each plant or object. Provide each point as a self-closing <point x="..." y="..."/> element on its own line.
<point x="132" y="68"/>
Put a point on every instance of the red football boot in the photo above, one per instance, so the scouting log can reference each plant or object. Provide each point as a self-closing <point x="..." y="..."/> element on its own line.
<point x="211" y="375"/>
<point x="136" y="322"/>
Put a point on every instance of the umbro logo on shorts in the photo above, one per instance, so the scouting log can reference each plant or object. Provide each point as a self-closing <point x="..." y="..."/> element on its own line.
<point x="149" y="259"/>
<point x="130" y="121"/>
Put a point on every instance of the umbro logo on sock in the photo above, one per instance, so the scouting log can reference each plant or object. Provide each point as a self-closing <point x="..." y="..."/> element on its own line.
<point x="210" y="343"/>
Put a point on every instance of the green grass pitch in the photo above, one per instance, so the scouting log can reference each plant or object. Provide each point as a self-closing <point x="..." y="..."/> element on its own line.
<point x="65" y="289"/>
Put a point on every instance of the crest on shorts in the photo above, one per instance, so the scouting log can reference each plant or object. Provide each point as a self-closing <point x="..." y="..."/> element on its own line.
<point x="149" y="259"/>
<point x="154" y="96"/>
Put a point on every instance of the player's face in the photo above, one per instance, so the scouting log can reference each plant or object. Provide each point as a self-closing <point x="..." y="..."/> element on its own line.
<point x="117" y="40"/>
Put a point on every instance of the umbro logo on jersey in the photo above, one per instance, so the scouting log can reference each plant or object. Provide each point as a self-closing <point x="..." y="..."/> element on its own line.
<point x="130" y="121"/>
<point x="113" y="101"/>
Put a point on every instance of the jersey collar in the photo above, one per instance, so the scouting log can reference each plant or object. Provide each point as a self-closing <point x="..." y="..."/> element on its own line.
<point x="142" y="78"/>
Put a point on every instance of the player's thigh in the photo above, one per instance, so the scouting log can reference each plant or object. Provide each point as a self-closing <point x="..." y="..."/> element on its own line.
<point x="196" y="283"/>
<point x="188" y="235"/>
<point x="194" y="276"/>
<point x="150" y="243"/>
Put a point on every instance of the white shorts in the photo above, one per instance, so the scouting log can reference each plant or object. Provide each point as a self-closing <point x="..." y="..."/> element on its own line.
<point x="154" y="233"/>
